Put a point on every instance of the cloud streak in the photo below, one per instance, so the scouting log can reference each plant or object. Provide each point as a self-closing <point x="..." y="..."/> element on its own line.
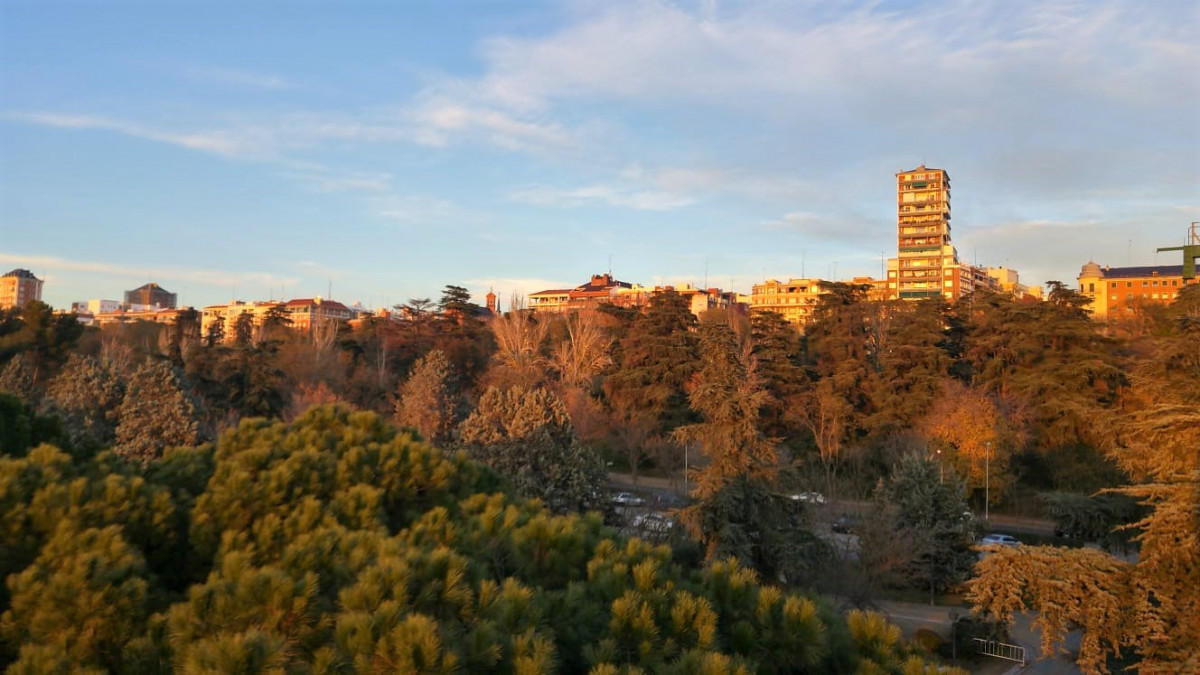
<point x="168" y="274"/>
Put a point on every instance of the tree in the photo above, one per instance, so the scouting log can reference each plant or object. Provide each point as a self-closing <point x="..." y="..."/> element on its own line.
<point x="243" y="330"/>
<point x="777" y="351"/>
<point x="86" y="395"/>
<point x="518" y="359"/>
<point x="1049" y="359"/>
<point x="727" y="397"/>
<point x="977" y="438"/>
<point x="215" y="335"/>
<point x="929" y="510"/>
<point x="17" y="379"/>
<point x="82" y="601"/>
<point x="156" y="412"/>
<point x="428" y="399"/>
<point x="737" y="515"/>
<point x="46" y="337"/>
<point x="526" y="436"/>
<point x="585" y="353"/>
<point x="658" y="357"/>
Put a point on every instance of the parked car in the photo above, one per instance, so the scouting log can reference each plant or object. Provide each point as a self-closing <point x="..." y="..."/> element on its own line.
<point x="628" y="499"/>
<point x="996" y="539"/>
<point x="809" y="497"/>
<point x="844" y="525"/>
<point x="653" y="522"/>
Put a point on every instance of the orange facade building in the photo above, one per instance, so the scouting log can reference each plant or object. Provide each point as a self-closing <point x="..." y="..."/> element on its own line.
<point x="1117" y="292"/>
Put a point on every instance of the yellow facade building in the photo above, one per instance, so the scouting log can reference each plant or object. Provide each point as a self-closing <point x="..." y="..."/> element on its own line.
<point x="1117" y="292"/>
<point x="18" y="288"/>
<point x="795" y="299"/>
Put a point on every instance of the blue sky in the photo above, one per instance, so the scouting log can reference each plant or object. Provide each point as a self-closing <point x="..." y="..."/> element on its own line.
<point x="386" y="149"/>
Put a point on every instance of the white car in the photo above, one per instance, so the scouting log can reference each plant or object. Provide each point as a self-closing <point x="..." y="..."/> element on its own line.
<point x="627" y="499"/>
<point x="809" y="497"/>
<point x="999" y="540"/>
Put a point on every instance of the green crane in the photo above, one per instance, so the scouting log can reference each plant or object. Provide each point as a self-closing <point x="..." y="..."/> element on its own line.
<point x="1190" y="252"/>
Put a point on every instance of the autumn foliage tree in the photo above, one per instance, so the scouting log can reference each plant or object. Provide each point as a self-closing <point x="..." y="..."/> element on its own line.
<point x="1147" y="609"/>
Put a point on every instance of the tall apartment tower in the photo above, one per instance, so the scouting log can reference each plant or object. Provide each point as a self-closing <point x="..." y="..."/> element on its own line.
<point x="926" y="264"/>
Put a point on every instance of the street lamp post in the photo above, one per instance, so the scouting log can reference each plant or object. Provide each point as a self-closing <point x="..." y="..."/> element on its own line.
<point x="987" y="479"/>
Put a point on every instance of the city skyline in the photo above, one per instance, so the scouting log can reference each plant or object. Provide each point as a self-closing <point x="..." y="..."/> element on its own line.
<point x="382" y="152"/>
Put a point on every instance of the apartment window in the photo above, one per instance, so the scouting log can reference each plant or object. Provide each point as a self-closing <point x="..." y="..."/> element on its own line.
<point x="1091" y="288"/>
<point x="1114" y="284"/>
<point x="1145" y="283"/>
<point x="1128" y="284"/>
<point x="1154" y="283"/>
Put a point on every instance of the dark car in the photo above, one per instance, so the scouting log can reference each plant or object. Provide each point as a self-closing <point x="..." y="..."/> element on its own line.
<point x="844" y="525"/>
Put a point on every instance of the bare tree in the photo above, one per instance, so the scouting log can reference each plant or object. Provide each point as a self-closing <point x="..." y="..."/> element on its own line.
<point x="586" y="351"/>
<point x="518" y="359"/>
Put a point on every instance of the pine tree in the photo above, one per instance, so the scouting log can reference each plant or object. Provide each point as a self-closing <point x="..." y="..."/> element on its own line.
<point x="929" y="505"/>
<point x="526" y="436"/>
<point x="658" y="359"/>
<point x="428" y="400"/>
<point x="87" y="396"/>
<point x="156" y="412"/>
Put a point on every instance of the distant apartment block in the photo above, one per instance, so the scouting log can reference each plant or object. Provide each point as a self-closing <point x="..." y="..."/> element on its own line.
<point x="1007" y="280"/>
<point x="795" y="299"/>
<point x="307" y="313"/>
<point x="18" y="288"/>
<point x="150" y="295"/>
<point x="604" y="289"/>
<point x="601" y="289"/>
<point x="228" y="314"/>
<point x="1117" y="292"/>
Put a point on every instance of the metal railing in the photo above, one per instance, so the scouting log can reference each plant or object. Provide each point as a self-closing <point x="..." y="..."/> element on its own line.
<point x="1001" y="650"/>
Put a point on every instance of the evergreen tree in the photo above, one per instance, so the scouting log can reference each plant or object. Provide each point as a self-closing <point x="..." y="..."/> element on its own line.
<point x="156" y="412"/>
<point x="87" y="396"/>
<point x="658" y="358"/>
<point x="47" y="338"/>
<point x="17" y="379"/>
<point x="428" y="399"/>
<point x="929" y="507"/>
<point x="777" y="350"/>
<point x="526" y="436"/>
<point x="80" y="603"/>
<point x="215" y="336"/>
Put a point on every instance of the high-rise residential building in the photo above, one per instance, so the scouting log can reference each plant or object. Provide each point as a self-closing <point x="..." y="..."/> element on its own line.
<point x="150" y="295"/>
<point x="927" y="263"/>
<point x="18" y="288"/>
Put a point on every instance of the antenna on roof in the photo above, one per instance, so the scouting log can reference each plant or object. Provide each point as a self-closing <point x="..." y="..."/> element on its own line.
<point x="610" y="264"/>
<point x="329" y="289"/>
<point x="706" y="273"/>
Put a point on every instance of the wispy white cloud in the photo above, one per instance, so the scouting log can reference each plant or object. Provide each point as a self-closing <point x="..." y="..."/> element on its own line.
<point x="436" y="119"/>
<point x="165" y="274"/>
<point x="213" y="142"/>
<point x="238" y="77"/>
<point x="643" y="200"/>
<point x="321" y="179"/>
<point x="415" y="209"/>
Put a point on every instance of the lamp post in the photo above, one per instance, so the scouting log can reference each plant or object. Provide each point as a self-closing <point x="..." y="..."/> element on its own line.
<point x="987" y="479"/>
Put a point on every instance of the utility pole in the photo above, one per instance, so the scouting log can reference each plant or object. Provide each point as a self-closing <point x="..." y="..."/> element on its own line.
<point x="987" y="480"/>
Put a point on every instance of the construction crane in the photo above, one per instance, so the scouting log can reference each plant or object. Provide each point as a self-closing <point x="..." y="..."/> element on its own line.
<point x="1191" y="251"/>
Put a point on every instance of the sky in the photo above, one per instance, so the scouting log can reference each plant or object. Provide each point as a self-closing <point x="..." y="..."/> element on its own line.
<point x="376" y="152"/>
